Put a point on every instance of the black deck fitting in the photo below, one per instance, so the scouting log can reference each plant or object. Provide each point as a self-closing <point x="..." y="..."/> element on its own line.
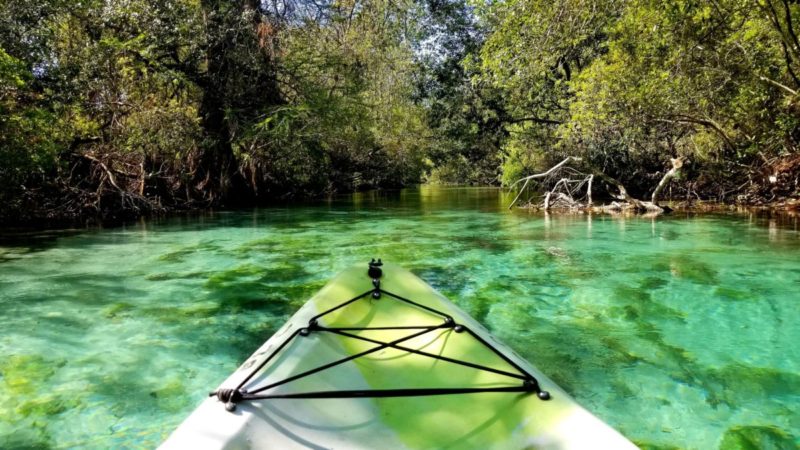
<point x="375" y="271"/>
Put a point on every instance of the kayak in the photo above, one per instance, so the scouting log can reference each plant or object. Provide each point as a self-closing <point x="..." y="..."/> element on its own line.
<point x="379" y="359"/>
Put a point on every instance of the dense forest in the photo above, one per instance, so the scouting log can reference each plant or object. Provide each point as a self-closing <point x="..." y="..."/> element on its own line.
<point x="111" y="109"/>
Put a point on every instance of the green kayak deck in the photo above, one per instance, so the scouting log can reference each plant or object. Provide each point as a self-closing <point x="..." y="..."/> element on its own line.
<point x="405" y="370"/>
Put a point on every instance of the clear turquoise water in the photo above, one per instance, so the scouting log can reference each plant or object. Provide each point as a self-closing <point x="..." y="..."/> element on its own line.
<point x="680" y="332"/>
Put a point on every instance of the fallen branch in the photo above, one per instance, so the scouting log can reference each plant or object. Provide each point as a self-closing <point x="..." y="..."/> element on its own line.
<point x="571" y="186"/>
<point x="623" y="194"/>
<point x="563" y="181"/>
<point x="548" y="172"/>
<point x="547" y="200"/>
<point x="780" y="85"/>
<point x="539" y="175"/>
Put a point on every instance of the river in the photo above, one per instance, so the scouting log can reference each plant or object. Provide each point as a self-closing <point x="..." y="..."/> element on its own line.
<point x="680" y="331"/>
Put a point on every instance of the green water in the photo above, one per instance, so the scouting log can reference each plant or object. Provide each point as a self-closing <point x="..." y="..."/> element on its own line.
<point x="680" y="332"/>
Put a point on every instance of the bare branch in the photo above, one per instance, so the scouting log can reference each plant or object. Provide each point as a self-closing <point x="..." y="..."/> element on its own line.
<point x="548" y="172"/>
<point x="589" y="192"/>
<point x="106" y="170"/>
<point x="677" y="163"/>
<point x="539" y="175"/>
<point x="775" y="83"/>
<point x="535" y="120"/>
<point x="572" y="186"/>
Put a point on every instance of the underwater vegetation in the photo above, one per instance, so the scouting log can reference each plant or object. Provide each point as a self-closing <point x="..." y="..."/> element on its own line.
<point x="674" y="347"/>
<point x="756" y="438"/>
<point x="24" y="385"/>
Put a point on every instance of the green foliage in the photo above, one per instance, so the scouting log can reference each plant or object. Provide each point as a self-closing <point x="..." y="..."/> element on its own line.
<point x="519" y="161"/>
<point x="530" y="56"/>
<point x="349" y="121"/>
<point x="634" y="83"/>
<point x="188" y="102"/>
<point x="679" y="80"/>
<point x="171" y="130"/>
<point x="30" y="133"/>
<point x="465" y="117"/>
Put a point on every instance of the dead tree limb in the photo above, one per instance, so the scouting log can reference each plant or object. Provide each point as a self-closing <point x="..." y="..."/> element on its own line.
<point x="548" y="172"/>
<point x="623" y="194"/>
<point x="130" y="197"/>
<point x="572" y="186"/>
<point x="677" y="163"/>
<point x="563" y="181"/>
<point x="780" y="85"/>
<point x="589" y="192"/>
<point x="539" y="175"/>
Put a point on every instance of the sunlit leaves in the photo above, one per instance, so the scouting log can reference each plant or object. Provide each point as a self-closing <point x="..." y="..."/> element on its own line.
<point x="634" y="82"/>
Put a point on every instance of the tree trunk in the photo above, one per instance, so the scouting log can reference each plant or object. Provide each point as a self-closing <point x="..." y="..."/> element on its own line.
<point x="215" y="168"/>
<point x="677" y="163"/>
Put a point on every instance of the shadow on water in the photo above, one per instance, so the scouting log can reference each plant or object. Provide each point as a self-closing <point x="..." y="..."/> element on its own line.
<point x="16" y="243"/>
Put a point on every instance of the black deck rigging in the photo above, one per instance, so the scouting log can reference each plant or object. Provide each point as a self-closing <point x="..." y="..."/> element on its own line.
<point x="527" y="382"/>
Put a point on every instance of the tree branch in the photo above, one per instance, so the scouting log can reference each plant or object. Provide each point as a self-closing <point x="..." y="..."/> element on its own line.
<point x="775" y="83"/>
<point x="534" y="120"/>
<point x="105" y="168"/>
<point x="548" y="172"/>
<point x="623" y="193"/>
<point x="788" y="59"/>
<point x="677" y="163"/>
<point x="789" y="25"/>
<point x="539" y="175"/>
<point x="705" y="122"/>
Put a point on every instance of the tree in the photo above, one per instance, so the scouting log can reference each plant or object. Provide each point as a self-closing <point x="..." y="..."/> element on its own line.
<point x="532" y="54"/>
<point x="179" y="103"/>
<point x="465" y="115"/>
<point x="630" y="85"/>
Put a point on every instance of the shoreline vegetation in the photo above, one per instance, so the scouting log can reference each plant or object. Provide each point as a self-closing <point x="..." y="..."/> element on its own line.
<point x="788" y="210"/>
<point x="114" y="111"/>
<point x="568" y="187"/>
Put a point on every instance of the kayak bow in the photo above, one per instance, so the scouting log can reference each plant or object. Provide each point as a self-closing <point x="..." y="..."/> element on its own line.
<point x="378" y="359"/>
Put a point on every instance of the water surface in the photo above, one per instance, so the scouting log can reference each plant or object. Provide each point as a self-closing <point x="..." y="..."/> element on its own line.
<point x="682" y="332"/>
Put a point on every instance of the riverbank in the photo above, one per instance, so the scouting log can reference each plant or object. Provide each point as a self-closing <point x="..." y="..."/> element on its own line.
<point x="48" y="216"/>
<point x="791" y="207"/>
